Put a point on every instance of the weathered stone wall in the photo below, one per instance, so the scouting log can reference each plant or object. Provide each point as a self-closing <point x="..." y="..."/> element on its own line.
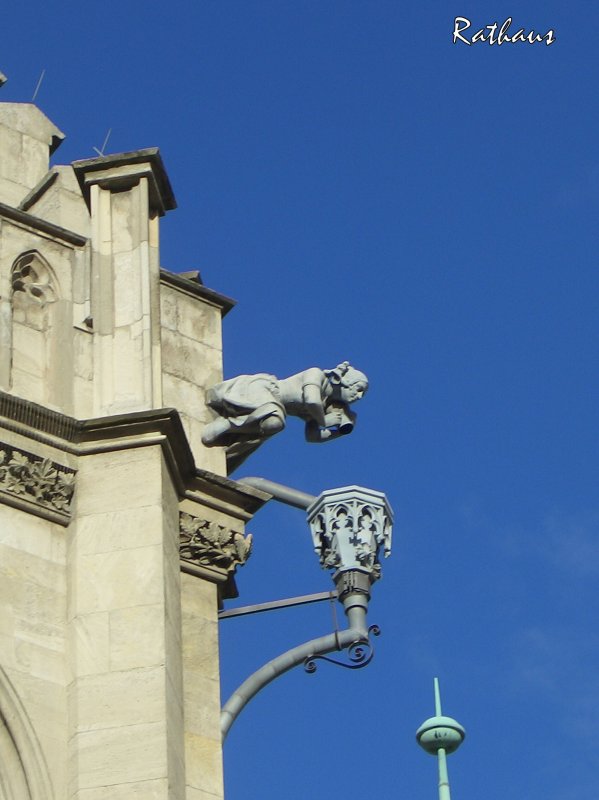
<point x="191" y="363"/>
<point x="26" y="138"/>
<point x="42" y="300"/>
<point x="204" y="774"/>
<point x="59" y="200"/>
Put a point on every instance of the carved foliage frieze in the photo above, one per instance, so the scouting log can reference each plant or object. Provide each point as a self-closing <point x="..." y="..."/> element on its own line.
<point x="208" y="544"/>
<point x="24" y="476"/>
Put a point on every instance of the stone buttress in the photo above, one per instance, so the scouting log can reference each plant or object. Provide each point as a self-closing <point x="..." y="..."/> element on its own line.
<point x="119" y="532"/>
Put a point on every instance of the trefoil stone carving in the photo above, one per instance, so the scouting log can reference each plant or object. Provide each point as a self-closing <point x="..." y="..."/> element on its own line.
<point x="32" y="276"/>
<point x="208" y="544"/>
<point x="38" y="480"/>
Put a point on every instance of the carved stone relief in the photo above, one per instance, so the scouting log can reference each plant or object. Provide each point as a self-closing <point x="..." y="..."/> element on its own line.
<point x="32" y="276"/>
<point x="206" y="543"/>
<point x="38" y="480"/>
<point x="33" y="290"/>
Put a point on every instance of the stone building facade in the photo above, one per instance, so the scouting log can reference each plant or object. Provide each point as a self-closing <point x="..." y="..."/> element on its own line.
<point x="119" y="530"/>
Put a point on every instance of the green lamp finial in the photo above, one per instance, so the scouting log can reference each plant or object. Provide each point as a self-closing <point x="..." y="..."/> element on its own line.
<point x="440" y="736"/>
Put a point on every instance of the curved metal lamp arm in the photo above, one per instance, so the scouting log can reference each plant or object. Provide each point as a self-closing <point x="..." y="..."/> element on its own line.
<point x="280" y="492"/>
<point x="283" y="663"/>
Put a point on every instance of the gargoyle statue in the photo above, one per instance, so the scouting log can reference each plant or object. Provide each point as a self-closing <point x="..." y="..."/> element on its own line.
<point x="251" y="408"/>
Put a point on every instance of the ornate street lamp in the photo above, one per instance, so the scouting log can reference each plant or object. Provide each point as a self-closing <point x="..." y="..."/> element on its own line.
<point x="350" y="529"/>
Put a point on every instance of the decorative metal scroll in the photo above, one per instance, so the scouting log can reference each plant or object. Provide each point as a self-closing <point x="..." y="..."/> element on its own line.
<point x="359" y="654"/>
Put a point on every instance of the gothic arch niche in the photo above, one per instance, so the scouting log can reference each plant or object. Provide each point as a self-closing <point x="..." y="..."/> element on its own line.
<point x="34" y="301"/>
<point x="23" y="771"/>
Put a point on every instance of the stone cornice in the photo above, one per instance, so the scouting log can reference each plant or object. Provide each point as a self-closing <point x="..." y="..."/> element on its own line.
<point x="38" y="422"/>
<point x="39" y="190"/>
<point x="121" y="170"/>
<point x="196" y="289"/>
<point x="123" y="431"/>
<point x="41" y="226"/>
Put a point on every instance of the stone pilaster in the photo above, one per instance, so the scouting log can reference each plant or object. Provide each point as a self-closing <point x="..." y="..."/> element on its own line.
<point x="126" y="194"/>
<point x="212" y="547"/>
<point x="125" y="697"/>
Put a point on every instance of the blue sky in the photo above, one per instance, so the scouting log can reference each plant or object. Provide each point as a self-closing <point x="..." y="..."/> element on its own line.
<point x="369" y="191"/>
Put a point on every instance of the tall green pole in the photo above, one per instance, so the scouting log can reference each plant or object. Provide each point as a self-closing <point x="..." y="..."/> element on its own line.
<point x="443" y="777"/>
<point x="440" y="736"/>
<point x="444" y="793"/>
